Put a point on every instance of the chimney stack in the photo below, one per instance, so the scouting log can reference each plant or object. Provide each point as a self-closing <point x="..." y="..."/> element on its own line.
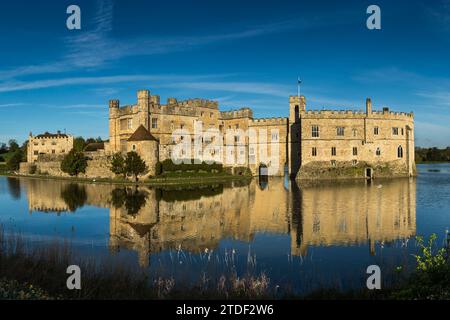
<point x="368" y="106"/>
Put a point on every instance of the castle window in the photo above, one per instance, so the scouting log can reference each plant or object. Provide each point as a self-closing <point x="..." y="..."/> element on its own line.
<point x="129" y="123"/>
<point x="355" y="151"/>
<point x="400" y="152"/>
<point x="53" y="151"/>
<point x="182" y="126"/>
<point x="378" y="152"/>
<point x="237" y="126"/>
<point x="355" y="132"/>
<point x="154" y="123"/>
<point x="314" y="152"/>
<point x="315" y="131"/>
<point x="333" y="151"/>
<point x="395" y="131"/>
<point x="211" y="114"/>
<point x="333" y="163"/>
<point x="252" y="151"/>
<point x="133" y="147"/>
<point x="340" y="131"/>
<point x="375" y="131"/>
<point x="36" y="144"/>
<point x="403" y="132"/>
<point x="36" y="152"/>
<point x="236" y="138"/>
<point x="354" y="162"/>
<point x="201" y="114"/>
<point x="53" y="143"/>
<point x="62" y="151"/>
<point x="274" y="136"/>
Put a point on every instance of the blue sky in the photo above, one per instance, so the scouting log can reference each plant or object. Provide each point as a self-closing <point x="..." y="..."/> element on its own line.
<point x="241" y="53"/>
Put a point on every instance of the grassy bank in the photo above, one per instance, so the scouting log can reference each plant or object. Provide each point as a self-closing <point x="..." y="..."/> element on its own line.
<point x="179" y="179"/>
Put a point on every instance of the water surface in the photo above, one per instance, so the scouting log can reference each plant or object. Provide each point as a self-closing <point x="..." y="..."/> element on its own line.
<point x="301" y="236"/>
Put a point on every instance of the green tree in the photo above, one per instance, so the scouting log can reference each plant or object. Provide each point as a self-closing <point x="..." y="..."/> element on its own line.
<point x="13" y="145"/>
<point x="118" y="164"/>
<point x="134" y="165"/>
<point x="74" y="163"/>
<point x="14" y="161"/>
<point x="79" y="144"/>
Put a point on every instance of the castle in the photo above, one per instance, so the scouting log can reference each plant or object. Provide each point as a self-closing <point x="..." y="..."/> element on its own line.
<point x="309" y="144"/>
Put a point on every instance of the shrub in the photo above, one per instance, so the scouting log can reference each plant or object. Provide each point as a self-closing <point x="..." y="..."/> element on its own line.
<point x="2" y="159"/>
<point x="74" y="163"/>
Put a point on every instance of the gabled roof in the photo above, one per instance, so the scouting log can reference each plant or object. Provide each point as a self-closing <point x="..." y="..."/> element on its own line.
<point x="141" y="134"/>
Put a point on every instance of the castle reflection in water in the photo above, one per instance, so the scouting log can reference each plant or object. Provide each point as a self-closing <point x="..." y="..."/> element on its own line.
<point x="150" y="220"/>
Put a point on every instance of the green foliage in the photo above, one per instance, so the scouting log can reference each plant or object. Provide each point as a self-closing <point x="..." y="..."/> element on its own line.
<point x="118" y="164"/>
<point x="432" y="154"/>
<point x="429" y="258"/>
<point x="13" y="145"/>
<point x="242" y="171"/>
<point x="134" y="165"/>
<point x="79" y="144"/>
<point x="74" y="163"/>
<point x="12" y="290"/>
<point x="2" y="159"/>
<point x="14" y="161"/>
<point x="190" y="165"/>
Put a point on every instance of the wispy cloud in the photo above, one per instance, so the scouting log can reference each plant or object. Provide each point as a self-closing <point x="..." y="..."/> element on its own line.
<point x="15" y="85"/>
<point x="10" y="105"/>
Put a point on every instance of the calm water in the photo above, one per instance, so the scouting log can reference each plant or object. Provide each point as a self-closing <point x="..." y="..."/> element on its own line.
<point x="301" y="236"/>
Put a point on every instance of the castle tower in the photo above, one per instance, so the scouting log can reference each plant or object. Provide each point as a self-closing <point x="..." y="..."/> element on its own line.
<point x="113" y="124"/>
<point x="143" y="101"/>
<point x="297" y="105"/>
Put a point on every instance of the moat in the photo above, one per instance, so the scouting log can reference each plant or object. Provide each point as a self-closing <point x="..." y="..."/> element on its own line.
<point x="301" y="236"/>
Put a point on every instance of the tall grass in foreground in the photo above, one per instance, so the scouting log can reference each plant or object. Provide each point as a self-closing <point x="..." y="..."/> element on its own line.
<point x="39" y="272"/>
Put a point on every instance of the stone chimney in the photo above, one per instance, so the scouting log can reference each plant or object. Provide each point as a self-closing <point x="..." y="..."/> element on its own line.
<point x="368" y="106"/>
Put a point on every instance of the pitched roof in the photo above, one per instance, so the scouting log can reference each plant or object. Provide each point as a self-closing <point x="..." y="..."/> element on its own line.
<point x="141" y="134"/>
<point x="94" y="146"/>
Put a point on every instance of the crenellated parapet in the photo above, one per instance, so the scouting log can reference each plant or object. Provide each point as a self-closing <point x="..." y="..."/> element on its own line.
<point x="235" y="114"/>
<point x="269" y="121"/>
<point x="357" y="114"/>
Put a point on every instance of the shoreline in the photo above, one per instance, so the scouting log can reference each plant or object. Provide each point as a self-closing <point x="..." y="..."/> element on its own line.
<point x="163" y="181"/>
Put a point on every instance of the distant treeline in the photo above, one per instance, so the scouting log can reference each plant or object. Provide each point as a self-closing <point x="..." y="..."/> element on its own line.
<point x="432" y="154"/>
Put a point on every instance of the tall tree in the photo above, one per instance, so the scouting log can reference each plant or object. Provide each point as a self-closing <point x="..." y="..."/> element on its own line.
<point x="79" y="144"/>
<point x="13" y="145"/>
<point x="14" y="161"/>
<point x="134" y="165"/>
<point x="118" y="164"/>
<point x="74" y="163"/>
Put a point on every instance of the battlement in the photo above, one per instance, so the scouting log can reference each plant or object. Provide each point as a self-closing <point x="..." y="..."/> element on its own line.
<point x="357" y="114"/>
<point x="269" y="121"/>
<point x="236" y="114"/>
<point x="193" y="103"/>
